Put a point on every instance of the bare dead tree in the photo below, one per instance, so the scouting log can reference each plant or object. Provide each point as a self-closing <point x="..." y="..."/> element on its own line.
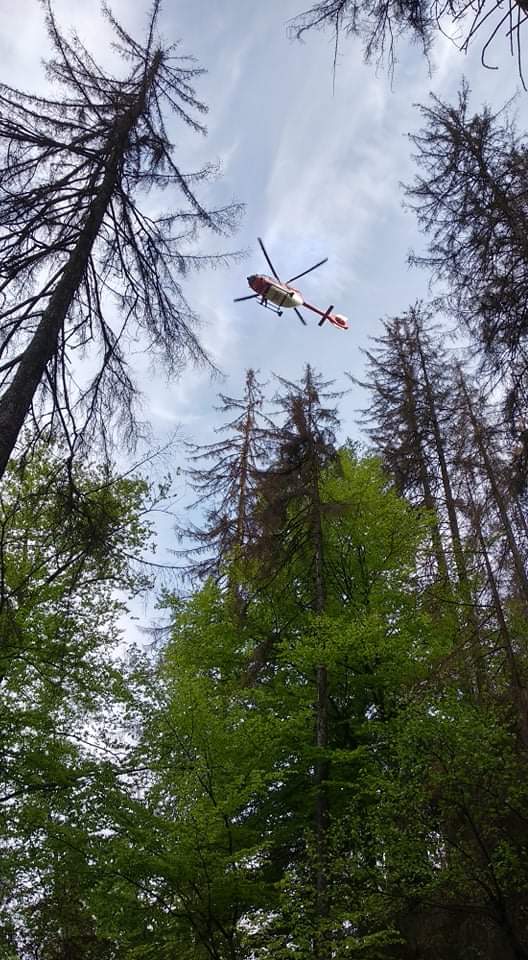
<point x="470" y="198"/>
<point x="84" y="268"/>
<point x="398" y="425"/>
<point x="380" y="23"/>
<point x="224" y="476"/>
<point x="412" y="425"/>
<point x="482" y="434"/>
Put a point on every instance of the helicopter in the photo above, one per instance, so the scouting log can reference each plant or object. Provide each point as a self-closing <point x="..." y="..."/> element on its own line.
<point x="277" y="295"/>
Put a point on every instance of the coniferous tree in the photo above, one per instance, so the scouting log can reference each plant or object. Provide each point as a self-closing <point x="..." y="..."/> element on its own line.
<point x="380" y="24"/>
<point x="498" y="545"/>
<point x="482" y="433"/>
<point x="508" y="644"/>
<point x="470" y="200"/>
<point x="226" y="482"/>
<point x="397" y="424"/>
<point x="274" y="517"/>
<point x="304" y="443"/>
<point x="436" y="409"/>
<point x="412" y="427"/>
<point x="423" y="403"/>
<point x="411" y="387"/>
<point x="76" y="242"/>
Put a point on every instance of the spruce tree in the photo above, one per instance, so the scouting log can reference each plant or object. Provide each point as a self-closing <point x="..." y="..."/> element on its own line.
<point x="398" y="427"/>
<point x="379" y="25"/>
<point x="303" y="443"/>
<point x="499" y="546"/>
<point x="486" y="457"/>
<point x="412" y="382"/>
<point x="469" y="196"/>
<point x="86" y="264"/>
<point x="225" y="476"/>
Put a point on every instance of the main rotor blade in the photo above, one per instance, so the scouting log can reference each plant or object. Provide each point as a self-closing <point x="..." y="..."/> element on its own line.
<point x="270" y="265"/>
<point x="299" y="314"/>
<point x="303" y="274"/>
<point x="250" y="297"/>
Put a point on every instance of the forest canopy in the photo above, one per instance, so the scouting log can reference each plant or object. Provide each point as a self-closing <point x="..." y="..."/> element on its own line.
<point x="320" y="749"/>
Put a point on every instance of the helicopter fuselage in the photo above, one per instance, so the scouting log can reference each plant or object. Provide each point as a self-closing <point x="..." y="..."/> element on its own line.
<point x="270" y="289"/>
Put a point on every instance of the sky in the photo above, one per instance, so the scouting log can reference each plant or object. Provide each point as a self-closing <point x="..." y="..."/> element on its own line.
<point x="318" y="165"/>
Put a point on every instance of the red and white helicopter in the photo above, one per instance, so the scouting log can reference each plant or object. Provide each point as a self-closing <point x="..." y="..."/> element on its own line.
<point x="272" y="290"/>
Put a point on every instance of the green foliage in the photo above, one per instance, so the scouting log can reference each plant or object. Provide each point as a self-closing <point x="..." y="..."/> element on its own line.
<point x="198" y="839"/>
<point x="233" y="788"/>
<point x="68" y="542"/>
<point x="419" y="775"/>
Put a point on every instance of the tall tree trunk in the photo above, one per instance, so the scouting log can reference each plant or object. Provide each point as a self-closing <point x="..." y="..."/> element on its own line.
<point x="454" y="527"/>
<point x="456" y="539"/>
<point x="482" y="447"/>
<point x="428" y="498"/>
<point x="322" y="767"/>
<point x="16" y="402"/>
<point x="518" y="689"/>
<point x="234" y="585"/>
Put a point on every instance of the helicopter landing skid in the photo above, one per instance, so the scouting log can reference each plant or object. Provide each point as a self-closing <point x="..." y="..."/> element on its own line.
<point x="269" y="306"/>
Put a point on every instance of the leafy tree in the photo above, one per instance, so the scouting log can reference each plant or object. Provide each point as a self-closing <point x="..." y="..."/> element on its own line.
<point x="452" y="815"/>
<point x="58" y="919"/>
<point x="368" y="568"/>
<point x="215" y="752"/>
<point x="70" y="540"/>
<point x="231" y="859"/>
<point x="76" y="243"/>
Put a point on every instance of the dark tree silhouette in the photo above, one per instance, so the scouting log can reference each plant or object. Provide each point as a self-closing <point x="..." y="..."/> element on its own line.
<point x="495" y="529"/>
<point x="445" y="448"/>
<point x="303" y="444"/>
<point x="225" y="475"/>
<point x="470" y="198"/>
<point x="411" y="380"/>
<point x="379" y="24"/>
<point x="84" y="269"/>
<point x="482" y="432"/>
<point x="410" y="385"/>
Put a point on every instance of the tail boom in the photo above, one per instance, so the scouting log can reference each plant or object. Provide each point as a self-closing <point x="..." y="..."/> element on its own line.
<point x="337" y="319"/>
